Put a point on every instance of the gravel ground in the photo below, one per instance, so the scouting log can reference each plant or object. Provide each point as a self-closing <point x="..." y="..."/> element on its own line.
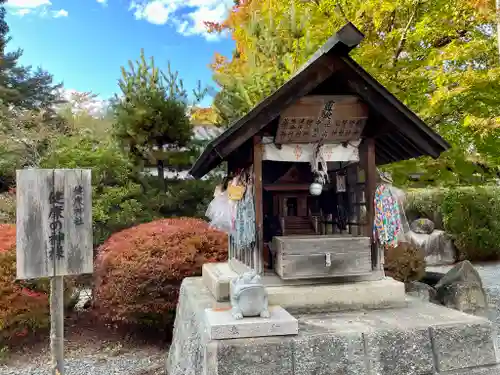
<point x="136" y="363"/>
<point x="90" y="349"/>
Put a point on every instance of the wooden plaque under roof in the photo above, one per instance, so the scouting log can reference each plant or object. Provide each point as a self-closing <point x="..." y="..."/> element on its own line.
<point x="322" y="118"/>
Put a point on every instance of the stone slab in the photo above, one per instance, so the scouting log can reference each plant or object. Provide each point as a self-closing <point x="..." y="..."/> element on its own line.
<point x="451" y="342"/>
<point x="221" y="325"/>
<point x="377" y="294"/>
<point x="418" y="339"/>
<point x="217" y="278"/>
<point x="486" y="370"/>
<point x="380" y="294"/>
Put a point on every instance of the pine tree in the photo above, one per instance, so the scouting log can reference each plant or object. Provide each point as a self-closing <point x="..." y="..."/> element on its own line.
<point x="152" y="116"/>
<point x="22" y="86"/>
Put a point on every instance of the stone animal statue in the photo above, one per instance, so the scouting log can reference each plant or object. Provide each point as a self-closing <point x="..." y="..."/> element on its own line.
<point x="249" y="296"/>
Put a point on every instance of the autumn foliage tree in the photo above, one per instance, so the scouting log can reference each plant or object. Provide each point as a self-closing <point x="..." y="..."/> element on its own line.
<point x="438" y="57"/>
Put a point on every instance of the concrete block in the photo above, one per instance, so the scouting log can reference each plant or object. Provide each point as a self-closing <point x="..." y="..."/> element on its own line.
<point x="487" y="370"/>
<point x="385" y="293"/>
<point x="398" y="351"/>
<point x="363" y="342"/>
<point x="221" y="325"/>
<point x="466" y="345"/>
<point x="327" y="354"/>
<point x="261" y="356"/>
<point x="217" y="278"/>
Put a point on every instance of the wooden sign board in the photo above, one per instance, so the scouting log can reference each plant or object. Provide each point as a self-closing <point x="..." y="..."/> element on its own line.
<point x="54" y="223"/>
<point x="322" y="118"/>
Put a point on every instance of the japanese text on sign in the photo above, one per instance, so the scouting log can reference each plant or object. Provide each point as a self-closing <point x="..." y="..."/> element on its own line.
<point x="56" y="237"/>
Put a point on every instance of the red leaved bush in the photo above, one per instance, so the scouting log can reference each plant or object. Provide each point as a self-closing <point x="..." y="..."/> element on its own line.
<point x="22" y="310"/>
<point x="7" y="237"/>
<point x="138" y="271"/>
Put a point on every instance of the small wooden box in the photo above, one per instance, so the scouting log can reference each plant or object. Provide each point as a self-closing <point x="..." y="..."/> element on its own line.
<point x="314" y="257"/>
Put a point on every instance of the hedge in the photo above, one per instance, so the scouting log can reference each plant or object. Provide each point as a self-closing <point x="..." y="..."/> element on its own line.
<point x="24" y="304"/>
<point x="138" y="271"/>
<point x="471" y="215"/>
<point x="23" y="309"/>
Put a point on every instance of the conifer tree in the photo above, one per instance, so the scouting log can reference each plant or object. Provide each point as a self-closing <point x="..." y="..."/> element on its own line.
<point x="152" y="115"/>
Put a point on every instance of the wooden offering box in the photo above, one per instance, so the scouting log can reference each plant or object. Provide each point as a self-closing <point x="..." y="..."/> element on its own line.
<point x="314" y="257"/>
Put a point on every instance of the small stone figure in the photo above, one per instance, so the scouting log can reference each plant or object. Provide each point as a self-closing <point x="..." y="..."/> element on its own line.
<point x="249" y="296"/>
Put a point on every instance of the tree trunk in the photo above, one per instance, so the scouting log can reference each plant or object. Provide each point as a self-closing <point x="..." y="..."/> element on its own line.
<point x="161" y="174"/>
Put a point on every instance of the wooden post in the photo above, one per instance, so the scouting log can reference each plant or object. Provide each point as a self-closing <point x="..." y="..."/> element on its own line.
<point x="57" y="324"/>
<point x="54" y="237"/>
<point x="371" y="184"/>
<point x="259" y="215"/>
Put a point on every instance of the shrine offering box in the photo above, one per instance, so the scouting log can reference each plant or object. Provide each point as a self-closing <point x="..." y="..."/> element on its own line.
<point x="313" y="257"/>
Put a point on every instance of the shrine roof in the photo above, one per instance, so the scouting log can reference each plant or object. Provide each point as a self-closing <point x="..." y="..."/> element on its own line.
<point x="398" y="132"/>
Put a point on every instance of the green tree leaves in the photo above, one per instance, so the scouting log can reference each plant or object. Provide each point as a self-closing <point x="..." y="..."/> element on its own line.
<point x="439" y="57"/>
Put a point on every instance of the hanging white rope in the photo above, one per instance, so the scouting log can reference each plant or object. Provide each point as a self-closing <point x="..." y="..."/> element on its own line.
<point x="318" y="159"/>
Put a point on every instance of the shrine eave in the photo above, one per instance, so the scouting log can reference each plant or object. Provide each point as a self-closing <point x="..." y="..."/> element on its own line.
<point x="411" y="136"/>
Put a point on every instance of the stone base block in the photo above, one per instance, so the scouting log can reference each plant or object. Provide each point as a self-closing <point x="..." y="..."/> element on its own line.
<point x="419" y="339"/>
<point x="217" y="278"/>
<point x="221" y="325"/>
<point x="308" y="297"/>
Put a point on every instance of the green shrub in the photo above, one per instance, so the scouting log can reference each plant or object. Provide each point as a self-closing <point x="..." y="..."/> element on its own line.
<point x="404" y="262"/>
<point x="425" y="203"/>
<point x="138" y="271"/>
<point x="182" y="198"/>
<point x="121" y="198"/>
<point x="472" y="217"/>
<point x="7" y="208"/>
<point x="117" y="195"/>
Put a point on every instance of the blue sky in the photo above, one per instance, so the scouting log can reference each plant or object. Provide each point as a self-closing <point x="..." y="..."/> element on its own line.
<point x="84" y="42"/>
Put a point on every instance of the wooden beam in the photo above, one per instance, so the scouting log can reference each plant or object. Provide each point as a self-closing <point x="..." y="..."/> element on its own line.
<point x="258" y="260"/>
<point x="371" y="184"/>
<point x="358" y="82"/>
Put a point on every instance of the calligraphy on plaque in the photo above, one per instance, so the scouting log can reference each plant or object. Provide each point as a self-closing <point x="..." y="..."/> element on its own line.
<point x="330" y="119"/>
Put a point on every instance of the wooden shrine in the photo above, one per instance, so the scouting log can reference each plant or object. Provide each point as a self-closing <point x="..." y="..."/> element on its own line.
<point x="332" y="109"/>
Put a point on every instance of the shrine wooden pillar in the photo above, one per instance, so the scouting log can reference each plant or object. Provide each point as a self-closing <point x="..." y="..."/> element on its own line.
<point x="258" y="251"/>
<point x="371" y="185"/>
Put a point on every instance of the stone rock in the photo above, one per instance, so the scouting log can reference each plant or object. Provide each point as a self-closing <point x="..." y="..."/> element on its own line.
<point x="422" y="226"/>
<point x="422" y="291"/>
<point x="438" y="247"/>
<point x="462" y="289"/>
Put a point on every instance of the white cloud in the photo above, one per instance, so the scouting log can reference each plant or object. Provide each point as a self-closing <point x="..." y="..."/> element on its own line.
<point x="103" y="2"/>
<point x="22" y="12"/>
<point x="28" y="3"/>
<point x="60" y="13"/>
<point x="37" y="7"/>
<point x="187" y="16"/>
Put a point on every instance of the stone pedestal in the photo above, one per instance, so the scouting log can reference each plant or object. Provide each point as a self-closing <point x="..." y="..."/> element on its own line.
<point x="312" y="295"/>
<point x="221" y="325"/>
<point x="418" y="339"/>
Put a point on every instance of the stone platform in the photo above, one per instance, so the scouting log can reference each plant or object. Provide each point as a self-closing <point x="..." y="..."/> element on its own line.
<point x="419" y="339"/>
<point x="299" y="296"/>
